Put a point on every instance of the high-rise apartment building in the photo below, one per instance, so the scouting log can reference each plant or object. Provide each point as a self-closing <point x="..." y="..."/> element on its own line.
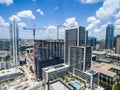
<point x="14" y="43"/>
<point x="77" y="54"/>
<point x="74" y="36"/>
<point x="80" y="57"/>
<point x="117" y="44"/>
<point x="109" y="37"/>
<point x="92" y="42"/>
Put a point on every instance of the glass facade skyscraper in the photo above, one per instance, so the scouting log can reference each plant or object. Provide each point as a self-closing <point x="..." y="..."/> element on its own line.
<point x="109" y="37"/>
<point x="92" y="42"/>
<point x="74" y="36"/>
<point x="14" y="43"/>
<point x="77" y="54"/>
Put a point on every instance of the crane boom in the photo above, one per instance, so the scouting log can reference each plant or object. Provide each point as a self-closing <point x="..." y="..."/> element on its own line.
<point x="34" y="47"/>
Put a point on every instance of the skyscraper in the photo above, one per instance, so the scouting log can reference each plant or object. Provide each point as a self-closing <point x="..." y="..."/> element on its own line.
<point x="14" y="40"/>
<point x="77" y="54"/>
<point x="109" y="37"/>
<point x="117" y="48"/>
<point x="74" y="36"/>
<point x="92" y="42"/>
<point x="80" y="57"/>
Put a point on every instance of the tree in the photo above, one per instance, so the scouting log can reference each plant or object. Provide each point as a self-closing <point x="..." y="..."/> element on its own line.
<point x="117" y="86"/>
<point x="6" y="58"/>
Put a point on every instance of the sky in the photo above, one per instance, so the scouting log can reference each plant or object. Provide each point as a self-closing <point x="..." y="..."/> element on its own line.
<point x="94" y="15"/>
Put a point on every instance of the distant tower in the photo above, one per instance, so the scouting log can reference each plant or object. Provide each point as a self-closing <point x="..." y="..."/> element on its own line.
<point x="118" y="44"/>
<point x="102" y="44"/>
<point x="14" y="43"/>
<point x="109" y="37"/>
<point x="92" y="42"/>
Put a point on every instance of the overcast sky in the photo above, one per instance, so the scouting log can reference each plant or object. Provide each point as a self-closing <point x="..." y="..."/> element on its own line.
<point x="92" y="14"/>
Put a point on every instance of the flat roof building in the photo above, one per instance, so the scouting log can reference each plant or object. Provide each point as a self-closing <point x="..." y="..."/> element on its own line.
<point x="10" y="74"/>
<point x="108" y="72"/>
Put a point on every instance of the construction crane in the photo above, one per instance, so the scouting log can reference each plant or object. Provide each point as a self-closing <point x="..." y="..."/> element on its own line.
<point x="34" y="47"/>
<point x="58" y="29"/>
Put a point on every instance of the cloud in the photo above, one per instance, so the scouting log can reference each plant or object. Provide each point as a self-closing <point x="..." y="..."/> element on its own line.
<point x="4" y="28"/>
<point x="96" y="30"/>
<point x="90" y="1"/>
<point x="40" y="12"/>
<point x="108" y="9"/>
<point x="14" y="17"/>
<point x="51" y="27"/>
<point x="91" y="19"/>
<point x="26" y="14"/>
<point x="117" y="15"/>
<point x="7" y="2"/>
<point x="106" y="14"/>
<point x="56" y="8"/>
<point x="93" y="23"/>
<point x="3" y="23"/>
<point x="22" y="24"/>
<point x="70" y="22"/>
<point x="117" y="24"/>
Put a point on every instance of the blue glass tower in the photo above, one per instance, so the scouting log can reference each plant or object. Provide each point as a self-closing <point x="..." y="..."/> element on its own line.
<point x="109" y="37"/>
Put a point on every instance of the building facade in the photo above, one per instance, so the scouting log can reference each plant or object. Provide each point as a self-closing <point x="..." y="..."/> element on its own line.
<point x="102" y="44"/>
<point x="14" y="43"/>
<point x="48" y="49"/>
<point x="117" y="48"/>
<point x="75" y="36"/>
<point x="80" y="57"/>
<point x="109" y="37"/>
<point x="5" y="44"/>
<point x="45" y="63"/>
<point x="90" y="76"/>
<point x="92" y="42"/>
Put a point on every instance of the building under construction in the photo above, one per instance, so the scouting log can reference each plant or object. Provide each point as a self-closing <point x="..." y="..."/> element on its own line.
<point x="49" y="49"/>
<point x="48" y="52"/>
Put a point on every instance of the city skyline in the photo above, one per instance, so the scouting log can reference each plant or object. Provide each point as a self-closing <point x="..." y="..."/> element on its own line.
<point x="50" y="13"/>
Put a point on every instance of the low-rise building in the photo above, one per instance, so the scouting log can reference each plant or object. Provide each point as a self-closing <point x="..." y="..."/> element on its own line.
<point x="46" y="63"/>
<point x="53" y="72"/>
<point x="108" y="72"/>
<point x="99" y="53"/>
<point x="10" y="74"/>
<point x="114" y="56"/>
<point x="91" y="78"/>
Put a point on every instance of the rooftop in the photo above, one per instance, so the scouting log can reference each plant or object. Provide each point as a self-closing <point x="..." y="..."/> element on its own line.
<point x="58" y="84"/>
<point x="91" y="72"/>
<point x="55" y="67"/>
<point x="10" y="71"/>
<point x="104" y="60"/>
<point x="105" y="68"/>
<point x="99" y="52"/>
<point x="114" y="54"/>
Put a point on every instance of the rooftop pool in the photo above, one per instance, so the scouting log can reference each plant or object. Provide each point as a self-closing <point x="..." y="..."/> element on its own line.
<point x="76" y="85"/>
